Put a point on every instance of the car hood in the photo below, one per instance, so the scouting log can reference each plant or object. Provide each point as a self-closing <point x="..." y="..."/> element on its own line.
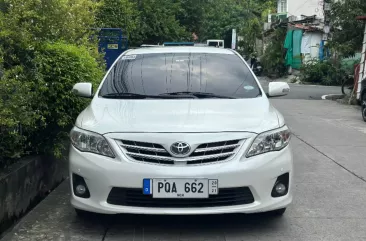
<point x="179" y="115"/>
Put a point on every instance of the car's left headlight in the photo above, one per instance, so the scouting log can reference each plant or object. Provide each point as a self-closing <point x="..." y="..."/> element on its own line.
<point x="273" y="140"/>
<point x="87" y="141"/>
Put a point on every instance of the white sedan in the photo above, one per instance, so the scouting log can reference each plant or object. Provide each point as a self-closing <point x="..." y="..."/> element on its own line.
<point x="180" y="130"/>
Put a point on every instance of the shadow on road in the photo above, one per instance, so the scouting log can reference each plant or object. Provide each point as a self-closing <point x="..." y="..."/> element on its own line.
<point x="254" y="223"/>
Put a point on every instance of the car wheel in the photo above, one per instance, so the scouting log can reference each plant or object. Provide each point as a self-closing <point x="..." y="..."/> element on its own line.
<point x="364" y="112"/>
<point x="278" y="212"/>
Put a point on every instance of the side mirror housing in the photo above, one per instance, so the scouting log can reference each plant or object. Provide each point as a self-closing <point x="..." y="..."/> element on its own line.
<point x="83" y="90"/>
<point x="278" y="89"/>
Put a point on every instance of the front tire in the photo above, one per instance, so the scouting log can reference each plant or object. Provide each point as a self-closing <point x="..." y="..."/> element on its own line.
<point x="364" y="112"/>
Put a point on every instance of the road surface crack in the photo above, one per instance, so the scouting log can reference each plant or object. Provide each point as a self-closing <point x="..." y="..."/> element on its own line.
<point x="322" y="153"/>
<point x="105" y="233"/>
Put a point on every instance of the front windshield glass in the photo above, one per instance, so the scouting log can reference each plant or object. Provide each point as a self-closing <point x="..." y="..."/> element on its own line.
<point x="161" y="73"/>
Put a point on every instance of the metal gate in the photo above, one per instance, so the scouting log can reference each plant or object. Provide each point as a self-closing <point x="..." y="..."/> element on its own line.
<point x="112" y="43"/>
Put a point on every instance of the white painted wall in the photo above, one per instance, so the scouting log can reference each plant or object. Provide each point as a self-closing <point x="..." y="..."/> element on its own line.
<point x="305" y="7"/>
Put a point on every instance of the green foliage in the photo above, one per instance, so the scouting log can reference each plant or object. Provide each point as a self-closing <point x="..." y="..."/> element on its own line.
<point x="273" y="59"/>
<point x="38" y="20"/>
<point x="246" y="16"/>
<point x="58" y="67"/>
<point x="16" y="114"/>
<point x="158" y="22"/>
<point x="119" y="14"/>
<point x="44" y="50"/>
<point x="191" y="14"/>
<point x="222" y="16"/>
<point x="148" y="21"/>
<point x="330" y="72"/>
<point x="250" y="33"/>
<point x="347" y="32"/>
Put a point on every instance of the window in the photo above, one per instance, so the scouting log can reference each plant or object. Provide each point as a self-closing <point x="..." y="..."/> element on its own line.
<point x="159" y="73"/>
<point x="282" y="6"/>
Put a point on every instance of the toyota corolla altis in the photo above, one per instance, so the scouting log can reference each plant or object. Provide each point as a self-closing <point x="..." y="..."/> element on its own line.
<point x="180" y="130"/>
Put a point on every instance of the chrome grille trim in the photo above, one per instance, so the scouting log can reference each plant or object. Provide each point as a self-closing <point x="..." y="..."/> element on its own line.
<point x="205" y="153"/>
<point x="216" y="148"/>
<point x="188" y="159"/>
<point x="144" y="148"/>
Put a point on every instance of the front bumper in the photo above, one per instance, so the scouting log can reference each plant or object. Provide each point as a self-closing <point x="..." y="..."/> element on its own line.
<point x="259" y="173"/>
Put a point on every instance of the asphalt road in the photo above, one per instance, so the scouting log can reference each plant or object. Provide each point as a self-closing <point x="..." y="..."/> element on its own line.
<point x="305" y="92"/>
<point x="329" y="194"/>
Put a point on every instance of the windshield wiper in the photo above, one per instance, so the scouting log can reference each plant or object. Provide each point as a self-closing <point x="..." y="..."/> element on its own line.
<point x="198" y="94"/>
<point x="140" y="96"/>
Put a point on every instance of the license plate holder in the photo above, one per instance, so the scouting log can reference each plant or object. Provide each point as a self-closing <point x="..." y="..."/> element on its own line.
<point x="180" y="187"/>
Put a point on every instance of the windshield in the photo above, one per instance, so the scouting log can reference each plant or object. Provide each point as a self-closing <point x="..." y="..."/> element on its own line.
<point x="157" y="74"/>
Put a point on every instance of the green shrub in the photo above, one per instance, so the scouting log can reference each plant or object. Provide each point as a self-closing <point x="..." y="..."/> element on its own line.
<point x="330" y="72"/>
<point x="17" y="117"/>
<point x="273" y="59"/>
<point x="37" y="72"/>
<point x="37" y="107"/>
<point x="58" y="67"/>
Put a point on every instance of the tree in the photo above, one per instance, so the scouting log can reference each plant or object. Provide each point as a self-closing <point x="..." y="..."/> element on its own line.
<point x="119" y="14"/>
<point x="347" y="32"/>
<point x="159" y="22"/>
<point x="45" y="49"/>
<point x="247" y="16"/>
<point x="27" y="24"/>
<point x="191" y="14"/>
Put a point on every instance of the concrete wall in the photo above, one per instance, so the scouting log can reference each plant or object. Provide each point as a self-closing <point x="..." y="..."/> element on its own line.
<point x="305" y="7"/>
<point x="25" y="183"/>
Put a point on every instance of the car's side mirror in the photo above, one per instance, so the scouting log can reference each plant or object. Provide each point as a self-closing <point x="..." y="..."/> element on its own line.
<point x="278" y="89"/>
<point x="83" y="90"/>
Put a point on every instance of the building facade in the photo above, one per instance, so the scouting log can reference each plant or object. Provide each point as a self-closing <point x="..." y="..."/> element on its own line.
<point x="297" y="8"/>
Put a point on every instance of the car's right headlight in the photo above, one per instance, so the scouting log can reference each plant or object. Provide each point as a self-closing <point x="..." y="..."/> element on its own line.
<point x="273" y="140"/>
<point x="87" y="141"/>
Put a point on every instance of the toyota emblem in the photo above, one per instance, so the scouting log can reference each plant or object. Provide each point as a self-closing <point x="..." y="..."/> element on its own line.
<point x="180" y="148"/>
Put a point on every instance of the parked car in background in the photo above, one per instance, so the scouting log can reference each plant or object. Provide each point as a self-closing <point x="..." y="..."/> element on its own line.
<point x="216" y="43"/>
<point x="180" y="130"/>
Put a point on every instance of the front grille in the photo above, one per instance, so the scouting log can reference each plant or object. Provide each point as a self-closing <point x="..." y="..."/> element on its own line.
<point x="135" y="198"/>
<point x="204" y="153"/>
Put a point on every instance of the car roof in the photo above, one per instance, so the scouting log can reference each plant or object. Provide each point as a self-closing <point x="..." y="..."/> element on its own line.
<point x="179" y="49"/>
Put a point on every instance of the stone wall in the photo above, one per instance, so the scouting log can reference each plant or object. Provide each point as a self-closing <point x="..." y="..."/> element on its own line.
<point x="25" y="183"/>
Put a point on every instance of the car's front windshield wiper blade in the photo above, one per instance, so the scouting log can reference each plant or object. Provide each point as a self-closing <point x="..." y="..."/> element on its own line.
<point x="138" y="96"/>
<point x="198" y="94"/>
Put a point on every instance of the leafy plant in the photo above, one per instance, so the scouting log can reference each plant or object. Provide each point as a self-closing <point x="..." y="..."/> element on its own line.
<point x="17" y="117"/>
<point x="38" y="67"/>
<point x="58" y="67"/>
<point x="273" y="60"/>
<point x="119" y="14"/>
<point x="347" y="32"/>
<point x="330" y="72"/>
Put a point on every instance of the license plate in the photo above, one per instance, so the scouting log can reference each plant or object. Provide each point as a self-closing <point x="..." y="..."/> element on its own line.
<point x="180" y="187"/>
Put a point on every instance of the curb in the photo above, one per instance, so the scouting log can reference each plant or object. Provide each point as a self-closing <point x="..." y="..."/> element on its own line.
<point x="332" y="97"/>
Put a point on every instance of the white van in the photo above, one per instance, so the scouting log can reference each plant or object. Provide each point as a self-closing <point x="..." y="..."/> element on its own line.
<point x="215" y="43"/>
